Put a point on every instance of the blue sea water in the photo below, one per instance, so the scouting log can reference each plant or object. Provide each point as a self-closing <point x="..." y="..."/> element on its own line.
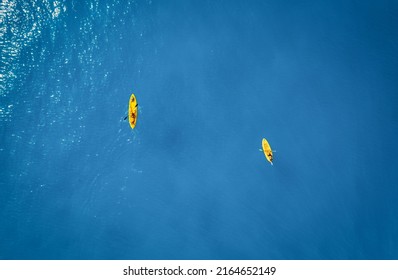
<point x="318" y="79"/>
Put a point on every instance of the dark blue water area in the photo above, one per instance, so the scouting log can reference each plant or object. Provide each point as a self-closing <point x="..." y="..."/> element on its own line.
<point x="318" y="79"/>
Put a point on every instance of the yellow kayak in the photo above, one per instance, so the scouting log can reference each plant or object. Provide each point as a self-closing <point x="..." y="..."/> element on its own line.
<point x="267" y="150"/>
<point x="133" y="111"/>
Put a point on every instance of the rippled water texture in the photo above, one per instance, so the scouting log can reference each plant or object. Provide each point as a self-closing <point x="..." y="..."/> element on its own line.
<point x="318" y="79"/>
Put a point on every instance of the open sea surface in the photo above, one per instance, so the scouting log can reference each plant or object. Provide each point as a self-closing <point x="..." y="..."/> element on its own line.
<point x="318" y="79"/>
